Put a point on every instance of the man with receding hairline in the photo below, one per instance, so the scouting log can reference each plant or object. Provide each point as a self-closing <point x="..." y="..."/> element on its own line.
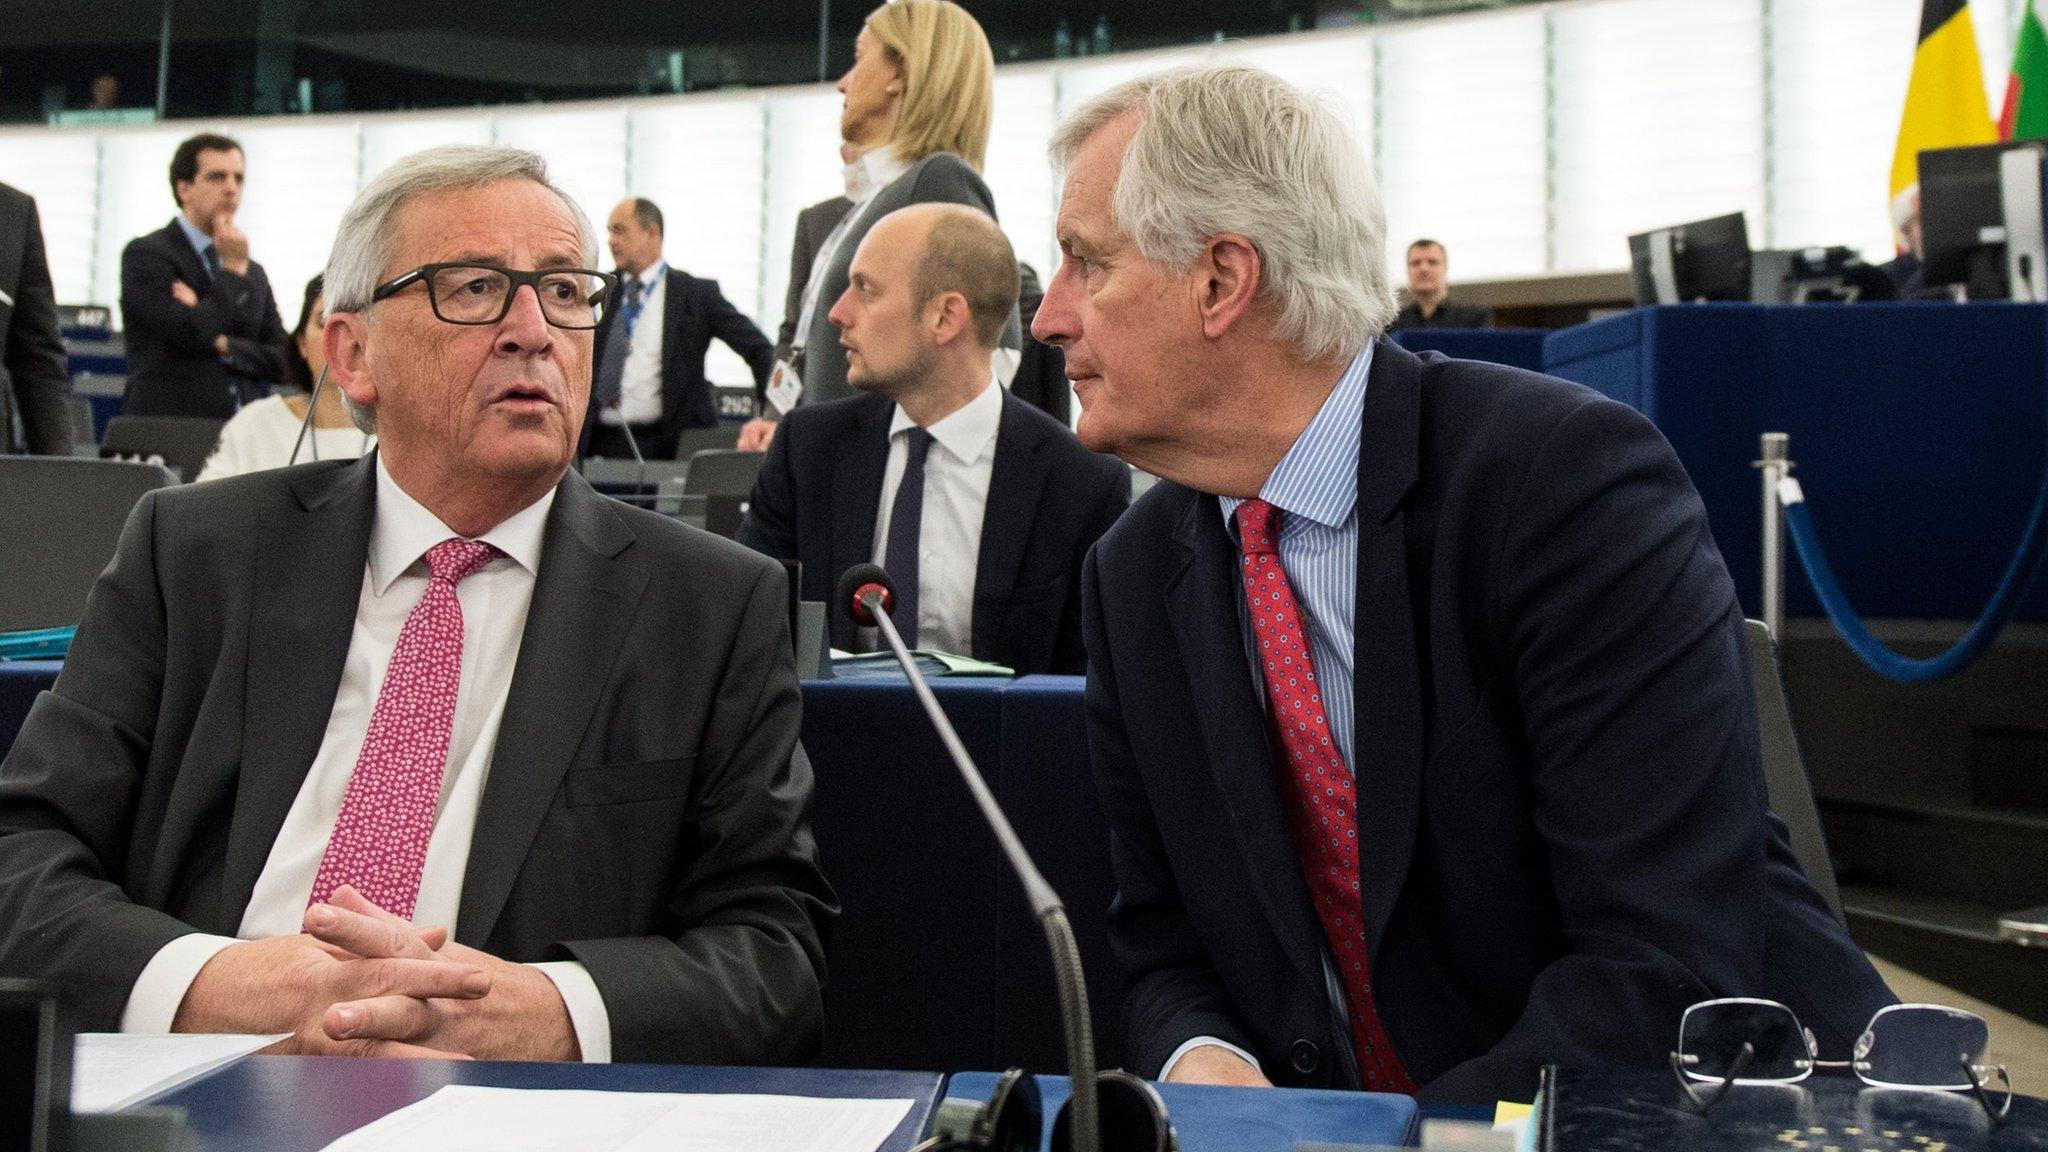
<point x="1418" y="694"/>
<point x="980" y="506"/>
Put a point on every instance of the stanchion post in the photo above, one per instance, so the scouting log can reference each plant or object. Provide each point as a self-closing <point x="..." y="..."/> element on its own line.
<point x="1775" y="466"/>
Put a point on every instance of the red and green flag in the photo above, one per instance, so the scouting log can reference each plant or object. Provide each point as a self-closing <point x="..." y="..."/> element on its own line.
<point x="2025" y="115"/>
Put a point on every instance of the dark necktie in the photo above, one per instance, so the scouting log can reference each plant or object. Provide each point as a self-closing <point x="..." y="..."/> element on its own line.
<point x="212" y="261"/>
<point x="611" y="370"/>
<point x="1318" y="792"/>
<point x="906" y="526"/>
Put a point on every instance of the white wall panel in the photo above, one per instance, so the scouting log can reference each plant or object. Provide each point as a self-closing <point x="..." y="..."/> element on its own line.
<point x="62" y="171"/>
<point x="387" y="138"/>
<point x="1462" y="142"/>
<point x="1838" y="82"/>
<point x="301" y="179"/>
<point x="1018" y="176"/>
<point x="1659" y="119"/>
<point x="703" y="162"/>
<point x="586" y="153"/>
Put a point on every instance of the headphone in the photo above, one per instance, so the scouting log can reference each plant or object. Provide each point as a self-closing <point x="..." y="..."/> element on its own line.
<point x="1132" y="1114"/>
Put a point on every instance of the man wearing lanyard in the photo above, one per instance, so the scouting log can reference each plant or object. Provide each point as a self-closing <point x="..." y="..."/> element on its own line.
<point x="650" y="382"/>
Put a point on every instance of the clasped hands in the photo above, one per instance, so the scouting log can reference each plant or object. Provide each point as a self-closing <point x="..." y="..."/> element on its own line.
<point x="360" y="981"/>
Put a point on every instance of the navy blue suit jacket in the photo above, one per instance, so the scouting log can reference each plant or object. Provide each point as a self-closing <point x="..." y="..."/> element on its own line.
<point x="173" y="369"/>
<point x="1049" y="499"/>
<point x="693" y="312"/>
<point x="1563" y="831"/>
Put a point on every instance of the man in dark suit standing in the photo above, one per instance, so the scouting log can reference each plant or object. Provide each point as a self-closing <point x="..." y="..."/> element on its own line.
<point x="650" y="376"/>
<point x="204" y="337"/>
<point x="525" y="756"/>
<point x="33" y="380"/>
<point x="980" y="506"/>
<point x="1418" y="692"/>
<point x="1429" y="291"/>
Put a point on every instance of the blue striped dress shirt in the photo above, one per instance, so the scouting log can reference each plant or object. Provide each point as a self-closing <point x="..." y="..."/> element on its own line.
<point x="1315" y="486"/>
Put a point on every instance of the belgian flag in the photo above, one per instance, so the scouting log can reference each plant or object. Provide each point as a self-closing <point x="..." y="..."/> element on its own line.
<point x="1945" y="104"/>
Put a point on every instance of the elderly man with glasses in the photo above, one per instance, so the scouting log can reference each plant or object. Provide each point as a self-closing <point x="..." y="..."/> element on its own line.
<point x="437" y="751"/>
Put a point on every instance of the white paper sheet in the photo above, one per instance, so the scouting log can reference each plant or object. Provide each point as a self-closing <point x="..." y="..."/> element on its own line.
<point x="110" y="1071"/>
<point x="463" y="1118"/>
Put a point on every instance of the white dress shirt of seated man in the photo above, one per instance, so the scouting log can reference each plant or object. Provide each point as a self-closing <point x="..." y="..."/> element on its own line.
<point x="476" y="422"/>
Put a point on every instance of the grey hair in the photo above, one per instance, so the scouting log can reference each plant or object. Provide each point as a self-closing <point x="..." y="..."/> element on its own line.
<point x="368" y="236"/>
<point x="1230" y="148"/>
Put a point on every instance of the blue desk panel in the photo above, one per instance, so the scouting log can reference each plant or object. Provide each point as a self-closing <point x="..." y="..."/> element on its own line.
<point x="1917" y="430"/>
<point x="1209" y="1119"/>
<point x="304" y="1103"/>
<point x="1515" y="347"/>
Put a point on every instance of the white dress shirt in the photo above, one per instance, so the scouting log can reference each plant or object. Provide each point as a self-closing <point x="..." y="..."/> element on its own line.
<point x="640" y="378"/>
<point x="494" y="603"/>
<point x="263" y="434"/>
<point x="957" y="470"/>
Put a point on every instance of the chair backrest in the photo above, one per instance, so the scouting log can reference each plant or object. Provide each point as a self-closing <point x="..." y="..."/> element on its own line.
<point x="1791" y="793"/>
<point x="58" y="527"/>
<point x="183" y="442"/>
<point x="691" y="441"/>
<point x="723" y="472"/>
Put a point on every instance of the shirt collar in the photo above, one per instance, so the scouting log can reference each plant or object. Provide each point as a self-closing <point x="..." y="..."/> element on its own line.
<point x="873" y="172"/>
<point x="1318" y="477"/>
<point x="967" y="431"/>
<point x="404" y="530"/>
<point x="200" y="241"/>
<point x="650" y="278"/>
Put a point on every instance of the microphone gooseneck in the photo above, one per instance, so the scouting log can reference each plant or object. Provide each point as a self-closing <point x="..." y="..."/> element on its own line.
<point x="865" y="592"/>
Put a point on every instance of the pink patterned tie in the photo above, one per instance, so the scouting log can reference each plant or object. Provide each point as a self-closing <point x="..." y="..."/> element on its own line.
<point x="380" y="839"/>
<point x="1317" y="790"/>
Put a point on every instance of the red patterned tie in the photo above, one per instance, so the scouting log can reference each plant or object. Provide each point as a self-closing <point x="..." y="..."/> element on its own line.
<point x="379" y="843"/>
<point x="1317" y="789"/>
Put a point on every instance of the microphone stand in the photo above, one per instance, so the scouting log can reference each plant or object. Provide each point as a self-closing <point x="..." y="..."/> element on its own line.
<point x="1085" y="1126"/>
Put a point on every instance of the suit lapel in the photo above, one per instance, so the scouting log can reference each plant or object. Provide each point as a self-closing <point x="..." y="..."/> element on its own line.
<point x="311" y="577"/>
<point x="857" y="471"/>
<point x="583" y="600"/>
<point x="1007" y="520"/>
<point x="1387" y="684"/>
<point x="190" y="266"/>
<point x="1202" y="604"/>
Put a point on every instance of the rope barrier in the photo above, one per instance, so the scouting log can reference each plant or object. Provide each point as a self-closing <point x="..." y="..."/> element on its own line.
<point x="2019" y="576"/>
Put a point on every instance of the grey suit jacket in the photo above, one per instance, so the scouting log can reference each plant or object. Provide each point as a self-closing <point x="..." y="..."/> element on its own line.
<point x="33" y="376"/>
<point x="939" y="178"/>
<point x="813" y="225"/>
<point x="647" y="811"/>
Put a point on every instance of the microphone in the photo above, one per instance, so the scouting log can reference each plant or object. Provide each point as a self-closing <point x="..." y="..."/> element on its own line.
<point x="865" y="592"/>
<point x="306" y="425"/>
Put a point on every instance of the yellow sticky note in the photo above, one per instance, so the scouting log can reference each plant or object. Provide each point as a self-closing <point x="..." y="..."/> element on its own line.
<point x="1506" y="1113"/>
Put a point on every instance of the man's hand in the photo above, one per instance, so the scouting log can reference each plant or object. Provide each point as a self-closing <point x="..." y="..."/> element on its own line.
<point x="183" y="294"/>
<point x="286" y="983"/>
<point x="1209" y="1064"/>
<point x="232" y="245"/>
<point x="756" y="434"/>
<point x="521" y="1018"/>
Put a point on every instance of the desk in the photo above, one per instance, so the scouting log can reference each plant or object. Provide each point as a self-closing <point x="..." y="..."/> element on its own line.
<point x="304" y="1103"/>
<point x="934" y="962"/>
<point x="1211" y="1119"/>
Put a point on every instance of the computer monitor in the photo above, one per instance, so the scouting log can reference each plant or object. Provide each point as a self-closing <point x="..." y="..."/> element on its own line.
<point x="1980" y="218"/>
<point x="1703" y="260"/>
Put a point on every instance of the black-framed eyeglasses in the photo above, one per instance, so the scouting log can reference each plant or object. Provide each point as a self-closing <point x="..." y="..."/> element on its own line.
<point x="482" y="293"/>
<point x="1922" y="1047"/>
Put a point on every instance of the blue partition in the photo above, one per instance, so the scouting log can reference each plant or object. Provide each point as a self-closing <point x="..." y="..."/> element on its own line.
<point x="1515" y="347"/>
<point x="1918" y="431"/>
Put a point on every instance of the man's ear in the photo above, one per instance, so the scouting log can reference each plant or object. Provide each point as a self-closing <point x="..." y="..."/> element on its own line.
<point x="348" y="352"/>
<point x="1226" y="280"/>
<point x="948" y="318"/>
